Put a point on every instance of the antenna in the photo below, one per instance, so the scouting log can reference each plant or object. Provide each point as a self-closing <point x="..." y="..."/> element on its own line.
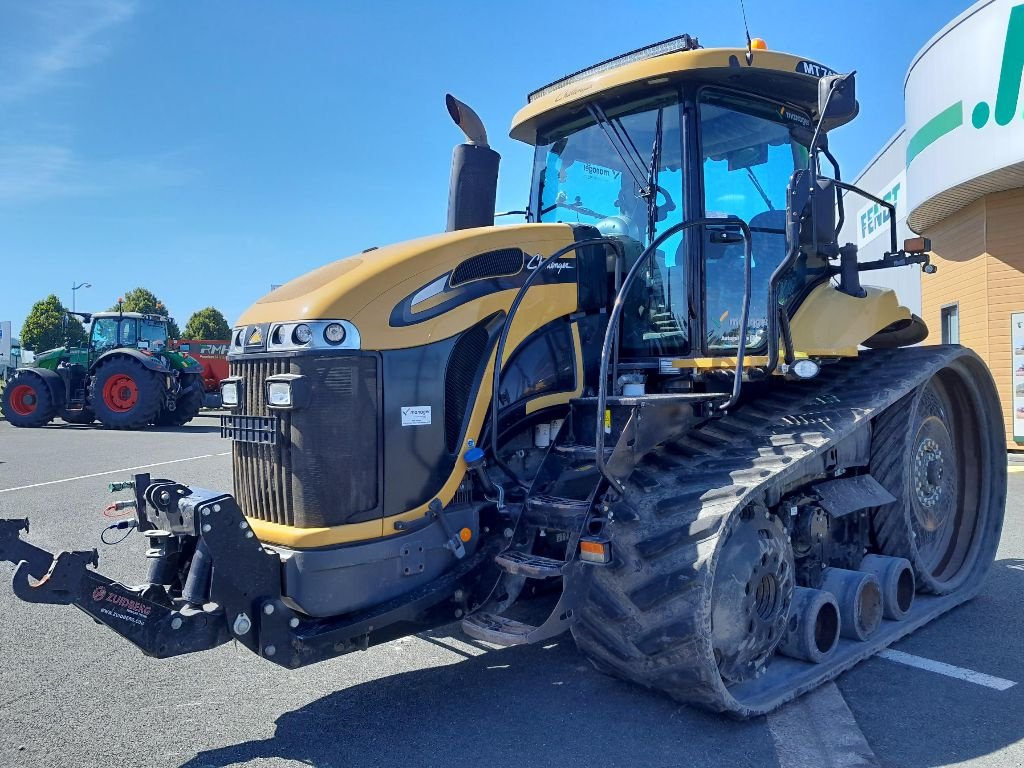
<point x="746" y="29"/>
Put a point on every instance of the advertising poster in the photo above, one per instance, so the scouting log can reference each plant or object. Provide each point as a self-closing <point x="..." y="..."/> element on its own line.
<point x="1017" y="356"/>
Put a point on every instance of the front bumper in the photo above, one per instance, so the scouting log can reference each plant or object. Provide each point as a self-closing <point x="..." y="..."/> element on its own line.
<point x="212" y="580"/>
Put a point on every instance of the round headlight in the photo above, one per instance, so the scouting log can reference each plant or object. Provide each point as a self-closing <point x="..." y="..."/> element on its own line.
<point x="334" y="333"/>
<point x="302" y="334"/>
<point x="806" y="369"/>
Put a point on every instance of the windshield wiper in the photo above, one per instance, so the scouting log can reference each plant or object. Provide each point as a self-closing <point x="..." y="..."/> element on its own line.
<point x="617" y="137"/>
<point x="759" y="188"/>
<point x="643" y="175"/>
<point x="652" y="179"/>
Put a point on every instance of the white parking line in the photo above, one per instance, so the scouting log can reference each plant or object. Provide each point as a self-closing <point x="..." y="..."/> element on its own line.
<point x="112" y="472"/>
<point x="948" y="670"/>
<point x="818" y="730"/>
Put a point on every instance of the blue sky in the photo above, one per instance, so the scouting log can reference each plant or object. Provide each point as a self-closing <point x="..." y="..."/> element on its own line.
<point x="207" y="150"/>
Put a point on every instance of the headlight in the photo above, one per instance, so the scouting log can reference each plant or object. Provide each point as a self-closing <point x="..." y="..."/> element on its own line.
<point x="334" y="333"/>
<point x="229" y="393"/>
<point x="279" y="394"/>
<point x="805" y="369"/>
<point x="302" y="334"/>
<point x="287" y="391"/>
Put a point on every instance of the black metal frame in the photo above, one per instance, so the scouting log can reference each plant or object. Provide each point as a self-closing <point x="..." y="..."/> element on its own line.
<point x="611" y="333"/>
<point x="240" y="599"/>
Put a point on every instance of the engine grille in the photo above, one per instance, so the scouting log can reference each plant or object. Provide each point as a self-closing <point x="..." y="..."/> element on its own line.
<point x="262" y="475"/>
<point x="323" y="469"/>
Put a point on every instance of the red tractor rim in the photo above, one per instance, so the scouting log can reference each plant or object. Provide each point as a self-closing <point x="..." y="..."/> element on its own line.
<point x="120" y="393"/>
<point x="24" y="400"/>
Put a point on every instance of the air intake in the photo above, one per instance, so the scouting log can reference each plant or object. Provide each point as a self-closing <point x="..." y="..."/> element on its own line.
<point x="501" y="263"/>
<point x="467" y="360"/>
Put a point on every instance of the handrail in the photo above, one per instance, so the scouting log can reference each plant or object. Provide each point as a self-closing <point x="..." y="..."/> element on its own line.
<point x="620" y="251"/>
<point x="611" y="332"/>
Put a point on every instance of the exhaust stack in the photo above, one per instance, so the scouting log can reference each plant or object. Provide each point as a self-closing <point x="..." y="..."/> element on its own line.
<point x="473" y="188"/>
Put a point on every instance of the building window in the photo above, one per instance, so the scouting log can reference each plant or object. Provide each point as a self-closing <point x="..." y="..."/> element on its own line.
<point x="950" y="316"/>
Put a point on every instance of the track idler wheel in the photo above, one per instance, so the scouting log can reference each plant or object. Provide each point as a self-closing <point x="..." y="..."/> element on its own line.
<point x="813" y="630"/>
<point x="860" y="601"/>
<point x="751" y="594"/>
<point x="896" y="578"/>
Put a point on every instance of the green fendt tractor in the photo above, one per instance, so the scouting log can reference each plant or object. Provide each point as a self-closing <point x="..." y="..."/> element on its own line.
<point x="126" y="378"/>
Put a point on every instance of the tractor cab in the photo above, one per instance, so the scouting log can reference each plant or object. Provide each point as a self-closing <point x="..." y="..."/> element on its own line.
<point x="114" y="330"/>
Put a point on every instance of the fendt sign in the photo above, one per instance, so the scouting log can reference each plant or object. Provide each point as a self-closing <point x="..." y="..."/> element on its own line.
<point x="873" y="219"/>
<point x="977" y="127"/>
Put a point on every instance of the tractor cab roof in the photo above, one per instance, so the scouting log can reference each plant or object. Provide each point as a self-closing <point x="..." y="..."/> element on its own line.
<point x="790" y="79"/>
<point x="131" y="315"/>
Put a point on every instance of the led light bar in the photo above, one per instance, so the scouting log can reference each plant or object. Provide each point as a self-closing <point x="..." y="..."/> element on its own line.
<point x="672" y="45"/>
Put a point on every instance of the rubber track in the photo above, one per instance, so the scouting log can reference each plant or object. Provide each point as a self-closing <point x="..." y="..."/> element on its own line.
<point x="647" y="619"/>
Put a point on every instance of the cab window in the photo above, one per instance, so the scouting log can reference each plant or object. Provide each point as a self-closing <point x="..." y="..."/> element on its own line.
<point x="103" y="335"/>
<point x="749" y="155"/>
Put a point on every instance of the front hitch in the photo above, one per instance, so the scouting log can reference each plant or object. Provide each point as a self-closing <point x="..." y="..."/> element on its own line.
<point x="146" y="616"/>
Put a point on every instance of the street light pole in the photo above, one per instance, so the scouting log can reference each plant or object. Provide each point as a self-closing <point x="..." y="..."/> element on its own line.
<point x="75" y="288"/>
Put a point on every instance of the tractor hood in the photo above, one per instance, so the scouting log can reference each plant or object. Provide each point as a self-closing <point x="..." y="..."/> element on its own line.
<point x="411" y="293"/>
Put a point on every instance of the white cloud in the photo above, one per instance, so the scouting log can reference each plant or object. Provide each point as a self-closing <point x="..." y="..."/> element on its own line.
<point x="44" y="40"/>
<point x="38" y="172"/>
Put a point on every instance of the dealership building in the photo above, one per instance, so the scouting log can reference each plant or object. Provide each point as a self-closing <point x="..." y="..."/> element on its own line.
<point x="955" y="173"/>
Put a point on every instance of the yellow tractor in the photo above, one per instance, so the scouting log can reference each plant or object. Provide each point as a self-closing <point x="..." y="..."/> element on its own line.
<point x="663" y="414"/>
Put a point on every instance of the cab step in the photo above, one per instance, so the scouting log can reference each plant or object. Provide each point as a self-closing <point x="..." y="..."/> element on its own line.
<point x="556" y="512"/>
<point x="498" y="630"/>
<point x="532" y="566"/>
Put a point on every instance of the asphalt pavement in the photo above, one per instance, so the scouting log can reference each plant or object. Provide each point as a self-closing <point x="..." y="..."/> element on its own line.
<point x="73" y="694"/>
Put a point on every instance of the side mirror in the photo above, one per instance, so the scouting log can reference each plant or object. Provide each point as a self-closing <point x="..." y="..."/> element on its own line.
<point x="810" y="211"/>
<point x="837" y="100"/>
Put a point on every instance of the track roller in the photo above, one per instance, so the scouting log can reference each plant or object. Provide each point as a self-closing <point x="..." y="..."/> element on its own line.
<point x="896" y="579"/>
<point x="813" y="630"/>
<point x="859" y="596"/>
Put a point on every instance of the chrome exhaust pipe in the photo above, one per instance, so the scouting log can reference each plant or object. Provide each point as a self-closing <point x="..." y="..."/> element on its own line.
<point x="896" y="577"/>
<point x="814" y="624"/>
<point x="859" y="596"/>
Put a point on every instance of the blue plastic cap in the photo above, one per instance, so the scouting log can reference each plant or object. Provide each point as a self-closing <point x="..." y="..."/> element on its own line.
<point x="473" y="455"/>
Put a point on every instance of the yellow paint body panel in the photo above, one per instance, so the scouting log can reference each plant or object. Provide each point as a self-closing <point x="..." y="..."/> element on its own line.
<point x="724" y="65"/>
<point x="830" y="323"/>
<point x="365" y="289"/>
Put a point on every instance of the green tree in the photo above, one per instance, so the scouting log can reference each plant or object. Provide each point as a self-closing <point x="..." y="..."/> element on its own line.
<point x="43" y="329"/>
<point x="145" y="301"/>
<point x="207" y="323"/>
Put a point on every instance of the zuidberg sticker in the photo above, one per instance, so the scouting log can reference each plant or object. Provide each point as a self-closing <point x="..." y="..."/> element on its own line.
<point x="415" y="415"/>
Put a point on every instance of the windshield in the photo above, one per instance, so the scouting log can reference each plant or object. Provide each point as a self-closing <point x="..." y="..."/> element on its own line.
<point x="748" y="157"/>
<point x="598" y="171"/>
<point x="153" y="331"/>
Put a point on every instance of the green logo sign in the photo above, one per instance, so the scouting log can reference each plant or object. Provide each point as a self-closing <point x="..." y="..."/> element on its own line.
<point x="1007" y="93"/>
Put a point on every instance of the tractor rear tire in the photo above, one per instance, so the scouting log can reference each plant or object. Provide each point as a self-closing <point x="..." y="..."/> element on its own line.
<point x="124" y="394"/>
<point x="188" y="405"/>
<point x="84" y="416"/>
<point x="939" y="452"/>
<point x="27" y="401"/>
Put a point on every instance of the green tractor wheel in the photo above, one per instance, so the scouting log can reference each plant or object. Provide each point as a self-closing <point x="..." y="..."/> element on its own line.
<point x="189" y="402"/>
<point x="124" y="394"/>
<point x="27" y="401"/>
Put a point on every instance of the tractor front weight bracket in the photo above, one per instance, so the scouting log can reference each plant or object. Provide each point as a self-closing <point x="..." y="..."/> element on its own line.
<point x="159" y="621"/>
<point x="230" y="590"/>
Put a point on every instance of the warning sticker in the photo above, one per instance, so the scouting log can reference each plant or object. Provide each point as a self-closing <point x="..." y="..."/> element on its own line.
<point x="415" y="415"/>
